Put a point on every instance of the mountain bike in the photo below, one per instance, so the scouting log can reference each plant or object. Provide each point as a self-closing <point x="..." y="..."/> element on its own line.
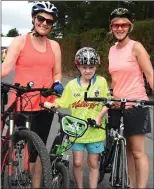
<point x="114" y="160"/>
<point x="69" y="126"/>
<point x="19" y="145"/>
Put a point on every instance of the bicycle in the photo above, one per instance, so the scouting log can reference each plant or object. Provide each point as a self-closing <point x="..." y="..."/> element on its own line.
<point x="69" y="126"/>
<point x="19" y="144"/>
<point x="114" y="160"/>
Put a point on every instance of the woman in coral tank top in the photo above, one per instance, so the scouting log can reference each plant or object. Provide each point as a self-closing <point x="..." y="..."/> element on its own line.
<point x="37" y="59"/>
<point x="128" y="60"/>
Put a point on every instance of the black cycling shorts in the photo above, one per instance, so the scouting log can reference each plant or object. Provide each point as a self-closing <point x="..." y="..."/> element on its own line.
<point x="136" y="120"/>
<point x="40" y="123"/>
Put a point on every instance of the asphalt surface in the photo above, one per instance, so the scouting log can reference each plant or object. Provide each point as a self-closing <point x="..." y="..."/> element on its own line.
<point x="105" y="183"/>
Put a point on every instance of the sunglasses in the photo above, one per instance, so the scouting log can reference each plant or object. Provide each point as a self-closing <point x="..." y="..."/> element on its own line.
<point x="123" y="26"/>
<point x="41" y="19"/>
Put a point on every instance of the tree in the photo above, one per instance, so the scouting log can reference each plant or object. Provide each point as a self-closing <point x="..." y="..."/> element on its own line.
<point x="75" y="17"/>
<point x="12" y="33"/>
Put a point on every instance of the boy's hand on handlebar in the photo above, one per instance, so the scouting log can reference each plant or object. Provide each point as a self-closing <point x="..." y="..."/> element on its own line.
<point x="50" y="105"/>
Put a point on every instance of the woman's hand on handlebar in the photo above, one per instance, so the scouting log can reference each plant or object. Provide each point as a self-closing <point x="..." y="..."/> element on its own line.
<point x="50" y="105"/>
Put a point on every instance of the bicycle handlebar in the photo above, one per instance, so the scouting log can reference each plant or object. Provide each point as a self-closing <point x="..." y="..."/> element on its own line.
<point x="90" y="122"/>
<point x="122" y="100"/>
<point x="44" y="91"/>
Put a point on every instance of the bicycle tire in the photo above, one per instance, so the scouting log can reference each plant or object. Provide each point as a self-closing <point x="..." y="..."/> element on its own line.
<point x="114" y="166"/>
<point x="101" y="169"/>
<point x="61" y="177"/>
<point x="106" y="159"/>
<point x="30" y="136"/>
<point x="124" y="173"/>
<point x="118" y="170"/>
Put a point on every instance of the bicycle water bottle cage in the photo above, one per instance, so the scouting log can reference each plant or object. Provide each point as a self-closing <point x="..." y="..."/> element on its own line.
<point x="74" y="126"/>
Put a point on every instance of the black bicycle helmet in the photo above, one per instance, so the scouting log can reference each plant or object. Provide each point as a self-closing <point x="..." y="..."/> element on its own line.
<point x="122" y="13"/>
<point x="87" y="56"/>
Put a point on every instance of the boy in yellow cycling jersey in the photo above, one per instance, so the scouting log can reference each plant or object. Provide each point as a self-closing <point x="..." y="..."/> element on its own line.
<point x="86" y="61"/>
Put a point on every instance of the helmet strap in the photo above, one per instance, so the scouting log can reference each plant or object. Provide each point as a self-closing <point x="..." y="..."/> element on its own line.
<point x="35" y="33"/>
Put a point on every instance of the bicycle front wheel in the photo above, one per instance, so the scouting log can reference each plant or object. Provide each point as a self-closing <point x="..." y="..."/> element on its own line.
<point x="119" y="169"/>
<point x="28" y="148"/>
<point x="101" y="168"/>
<point x="61" y="176"/>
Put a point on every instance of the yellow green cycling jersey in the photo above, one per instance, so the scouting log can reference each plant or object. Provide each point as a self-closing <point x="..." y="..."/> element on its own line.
<point x="73" y="97"/>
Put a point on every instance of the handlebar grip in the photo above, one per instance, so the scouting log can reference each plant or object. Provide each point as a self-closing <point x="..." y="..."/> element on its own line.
<point x="92" y="123"/>
<point x="49" y="92"/>
<point x="150" y="102"/>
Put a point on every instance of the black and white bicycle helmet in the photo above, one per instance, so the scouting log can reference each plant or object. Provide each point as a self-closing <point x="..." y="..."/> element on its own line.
<point x="122" y="13"/>
<point x="44" y="6"/>
<point x="87" y="56"/>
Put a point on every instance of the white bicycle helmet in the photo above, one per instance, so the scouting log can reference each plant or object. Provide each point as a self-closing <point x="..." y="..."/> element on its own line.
<point x="44" y="6"/>
<point x="87" y="56"/>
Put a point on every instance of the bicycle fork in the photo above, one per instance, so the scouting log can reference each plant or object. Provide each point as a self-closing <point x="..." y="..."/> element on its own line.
<point x="10" y="148"/>
<point x="120" y="161"/>
<point x="11" y="152"/>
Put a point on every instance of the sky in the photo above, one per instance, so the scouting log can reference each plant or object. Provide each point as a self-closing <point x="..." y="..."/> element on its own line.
<point x="16" y="14"/>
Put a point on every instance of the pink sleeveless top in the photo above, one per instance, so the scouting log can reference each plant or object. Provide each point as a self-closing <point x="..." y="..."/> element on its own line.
<point x="35" y="66"/>
<point x="127" y="76"/>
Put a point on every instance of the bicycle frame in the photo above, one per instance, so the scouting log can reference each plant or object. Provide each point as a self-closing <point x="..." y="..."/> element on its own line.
<point x="119" y="141"/>
<point x="11" y="132"/>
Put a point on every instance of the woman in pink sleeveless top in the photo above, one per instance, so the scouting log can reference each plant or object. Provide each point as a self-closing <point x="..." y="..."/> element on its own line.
<point x="37" y="59"/>
<point x="128" y="60"/>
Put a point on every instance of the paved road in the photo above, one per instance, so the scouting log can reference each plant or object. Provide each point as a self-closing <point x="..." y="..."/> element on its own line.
<point x="105" y="184"/>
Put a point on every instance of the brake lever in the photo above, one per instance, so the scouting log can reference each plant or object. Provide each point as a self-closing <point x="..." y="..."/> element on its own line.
<point x="49" y="92"/>
<point x="92" y="123"/>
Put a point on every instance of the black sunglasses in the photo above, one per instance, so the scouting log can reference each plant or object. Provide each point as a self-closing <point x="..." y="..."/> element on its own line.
<point x="42" y="19"/>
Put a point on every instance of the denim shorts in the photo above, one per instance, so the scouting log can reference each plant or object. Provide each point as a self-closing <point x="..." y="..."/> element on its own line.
<point x="92" y="148"/>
